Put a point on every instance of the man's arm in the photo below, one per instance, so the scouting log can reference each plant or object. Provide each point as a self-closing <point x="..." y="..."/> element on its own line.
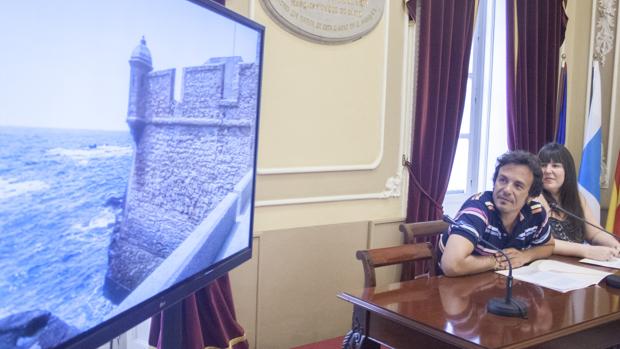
<point x="457" y="258"/>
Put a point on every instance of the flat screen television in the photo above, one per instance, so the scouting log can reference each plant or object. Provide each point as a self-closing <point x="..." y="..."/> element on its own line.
<point x="128" y="136"/>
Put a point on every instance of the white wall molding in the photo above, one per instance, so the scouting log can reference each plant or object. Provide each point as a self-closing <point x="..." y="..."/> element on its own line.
<point x="605" y="22"/>
<point x="357" y="167"/>
<point x="393" y="189"/>
<point x="313" y="169"/>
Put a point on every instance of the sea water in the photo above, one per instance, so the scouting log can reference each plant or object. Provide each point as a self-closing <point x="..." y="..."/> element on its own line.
<point x="60" y="191"/>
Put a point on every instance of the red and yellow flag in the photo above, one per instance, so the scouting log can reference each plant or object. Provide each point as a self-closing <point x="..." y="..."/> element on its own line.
<point x="613" y="213"/>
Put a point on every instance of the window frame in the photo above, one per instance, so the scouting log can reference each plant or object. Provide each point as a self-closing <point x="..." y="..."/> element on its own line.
<point x="478" y="125"/>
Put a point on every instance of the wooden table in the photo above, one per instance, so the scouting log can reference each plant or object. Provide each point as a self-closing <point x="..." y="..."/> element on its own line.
<point x="444" y="312"/>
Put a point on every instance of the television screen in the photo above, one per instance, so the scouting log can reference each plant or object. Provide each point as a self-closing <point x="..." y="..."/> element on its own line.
<point x="128" y="132"/>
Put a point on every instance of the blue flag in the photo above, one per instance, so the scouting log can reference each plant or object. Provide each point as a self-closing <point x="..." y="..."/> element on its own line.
<point x="590" y="168"/>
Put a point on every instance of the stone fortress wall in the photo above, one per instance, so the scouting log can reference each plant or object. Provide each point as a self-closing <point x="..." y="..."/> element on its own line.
<point x="189" y="154"/>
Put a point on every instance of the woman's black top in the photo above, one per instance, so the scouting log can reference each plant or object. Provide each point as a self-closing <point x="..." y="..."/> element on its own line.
<point x="565" y="230"/>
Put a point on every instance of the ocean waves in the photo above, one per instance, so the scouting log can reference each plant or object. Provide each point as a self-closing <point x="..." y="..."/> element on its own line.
<point x="60" y="193"/>
<point x="10" y="187"/>
<point x="105" y="219"/>
<point x="83" y="155"/>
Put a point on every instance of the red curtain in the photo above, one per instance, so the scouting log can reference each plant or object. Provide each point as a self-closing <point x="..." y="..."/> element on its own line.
<point x="535" y="31"/>
<point x="207" y="320"/>
<point x="445" y="35"/>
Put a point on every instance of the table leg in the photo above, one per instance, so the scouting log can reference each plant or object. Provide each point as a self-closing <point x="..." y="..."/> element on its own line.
<point x="357" y="337"/>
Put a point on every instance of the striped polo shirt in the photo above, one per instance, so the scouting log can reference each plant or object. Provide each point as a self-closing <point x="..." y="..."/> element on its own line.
<point x="478" y="217"/>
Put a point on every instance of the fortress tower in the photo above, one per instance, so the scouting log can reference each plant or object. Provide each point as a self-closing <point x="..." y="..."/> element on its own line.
<point x="141" y="64"/>
<point x="189" y="154"/>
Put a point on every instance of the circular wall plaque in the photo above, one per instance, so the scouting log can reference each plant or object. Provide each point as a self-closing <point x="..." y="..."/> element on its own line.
<point x="326" y="21"/>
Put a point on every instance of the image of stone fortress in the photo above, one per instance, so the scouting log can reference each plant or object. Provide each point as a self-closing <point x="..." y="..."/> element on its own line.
<point x="189" y="155"/>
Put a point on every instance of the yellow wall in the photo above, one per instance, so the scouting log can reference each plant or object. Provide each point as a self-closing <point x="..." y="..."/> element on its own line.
<point x="330" y="126"/>
<point x="329" y="178"/>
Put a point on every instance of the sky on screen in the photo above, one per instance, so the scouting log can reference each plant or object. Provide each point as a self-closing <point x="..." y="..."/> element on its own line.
<point x="64" y="64"/>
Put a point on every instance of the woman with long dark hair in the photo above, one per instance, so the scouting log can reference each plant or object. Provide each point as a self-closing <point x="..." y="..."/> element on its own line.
<point x="572" y="237"/>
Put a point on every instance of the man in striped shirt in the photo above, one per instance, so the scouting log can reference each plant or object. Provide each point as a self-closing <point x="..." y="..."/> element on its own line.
<point x="505" y="217"/>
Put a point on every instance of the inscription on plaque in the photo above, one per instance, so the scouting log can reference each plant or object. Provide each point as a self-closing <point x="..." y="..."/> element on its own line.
<point x="326" y="21"/>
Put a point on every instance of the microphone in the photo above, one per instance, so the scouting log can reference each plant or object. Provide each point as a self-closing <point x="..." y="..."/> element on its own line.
<point x="507" y="306"/>
<point x="611" y="280"/>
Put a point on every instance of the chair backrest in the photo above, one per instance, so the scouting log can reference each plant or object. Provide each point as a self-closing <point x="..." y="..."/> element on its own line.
<point x="422" y="232"/>
<point x="381" y="257"/>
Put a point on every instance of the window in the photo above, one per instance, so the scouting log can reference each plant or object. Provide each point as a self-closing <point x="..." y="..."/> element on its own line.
<point x="483" y="129"/>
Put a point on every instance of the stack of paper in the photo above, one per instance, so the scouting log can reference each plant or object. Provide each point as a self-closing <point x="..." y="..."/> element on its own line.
<point x="559" y="276"/>
<point x="614" y="263"/>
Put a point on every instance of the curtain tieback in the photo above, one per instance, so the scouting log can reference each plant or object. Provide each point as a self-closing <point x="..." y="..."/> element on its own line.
<point x="409" y="166"/>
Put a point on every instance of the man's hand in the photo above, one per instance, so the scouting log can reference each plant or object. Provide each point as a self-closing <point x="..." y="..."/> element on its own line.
<point x="517" y="258"/>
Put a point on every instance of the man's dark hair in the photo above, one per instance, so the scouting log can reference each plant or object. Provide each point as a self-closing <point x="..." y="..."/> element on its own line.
<point x="520" y="157"/>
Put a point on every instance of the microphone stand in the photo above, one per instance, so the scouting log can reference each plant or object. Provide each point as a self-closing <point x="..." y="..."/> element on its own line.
<point x="611" y="280"/>
<point x="557" y="207"/>
<point x="506" y="306"/>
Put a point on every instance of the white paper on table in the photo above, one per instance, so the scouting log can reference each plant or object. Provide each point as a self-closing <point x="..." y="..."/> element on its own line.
<point x="614" y="263"/>
<point x="559" y="276"/>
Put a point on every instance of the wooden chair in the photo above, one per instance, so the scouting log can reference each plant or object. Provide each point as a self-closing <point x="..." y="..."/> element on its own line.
<point x="422" y="232"/>
<point x="381" y="257"/>
<point x="413" y="251"/>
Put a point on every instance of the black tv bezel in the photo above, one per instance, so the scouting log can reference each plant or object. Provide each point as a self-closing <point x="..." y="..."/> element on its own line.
<point x="121" y="323"/>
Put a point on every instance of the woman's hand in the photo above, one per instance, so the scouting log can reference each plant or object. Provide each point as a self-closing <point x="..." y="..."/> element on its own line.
<point x="602" y="253"/>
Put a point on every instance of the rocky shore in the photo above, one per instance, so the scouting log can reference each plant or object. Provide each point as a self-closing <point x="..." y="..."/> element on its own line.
<point x="34" y="329"/>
